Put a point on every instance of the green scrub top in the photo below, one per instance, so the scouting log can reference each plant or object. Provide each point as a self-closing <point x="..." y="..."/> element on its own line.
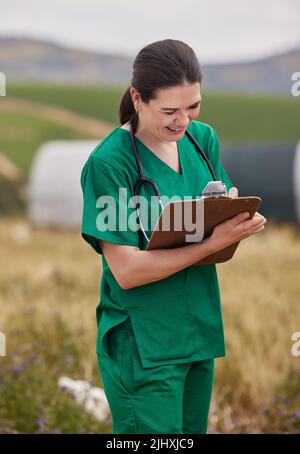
<point x="177" y="319"/>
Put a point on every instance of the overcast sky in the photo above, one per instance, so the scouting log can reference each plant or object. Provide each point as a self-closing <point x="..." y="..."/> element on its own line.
<point x="218" y="30"/>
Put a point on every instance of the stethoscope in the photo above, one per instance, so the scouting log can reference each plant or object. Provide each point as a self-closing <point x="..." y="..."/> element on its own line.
<point x="143" y="179"/>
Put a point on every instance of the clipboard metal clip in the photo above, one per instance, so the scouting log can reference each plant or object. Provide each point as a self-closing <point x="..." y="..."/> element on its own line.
<point x="215" y="189"/>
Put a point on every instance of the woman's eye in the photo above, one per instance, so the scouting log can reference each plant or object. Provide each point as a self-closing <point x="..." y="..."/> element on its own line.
<point x="191" y="108"/>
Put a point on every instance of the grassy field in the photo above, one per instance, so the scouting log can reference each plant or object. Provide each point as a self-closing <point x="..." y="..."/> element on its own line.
<point x="49" y="286"/>
<point x="236" y="117"/>
<point x="49" y="291"/>
<point x="21" y="134"/>
<point x="33" y="114"/>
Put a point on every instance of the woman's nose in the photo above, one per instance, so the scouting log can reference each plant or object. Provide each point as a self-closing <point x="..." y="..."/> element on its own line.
<point x="183" y="118"/>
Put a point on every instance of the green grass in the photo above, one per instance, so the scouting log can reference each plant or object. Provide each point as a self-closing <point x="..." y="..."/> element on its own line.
<point x="95" y="101"/>
<point x="236" y="117"/>
<point x="248" y="118"/>
<point x="21" y="134"/>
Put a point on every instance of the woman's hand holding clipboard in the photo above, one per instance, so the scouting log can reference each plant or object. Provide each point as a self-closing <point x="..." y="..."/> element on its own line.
<point x="228" y="234"/>
<point x="225" y="225"/>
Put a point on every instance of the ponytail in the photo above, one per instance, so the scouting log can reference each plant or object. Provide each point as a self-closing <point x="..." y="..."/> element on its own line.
<point x="126" y="109"/>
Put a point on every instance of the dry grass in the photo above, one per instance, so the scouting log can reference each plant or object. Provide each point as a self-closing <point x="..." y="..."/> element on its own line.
<point x="47" y="275"/>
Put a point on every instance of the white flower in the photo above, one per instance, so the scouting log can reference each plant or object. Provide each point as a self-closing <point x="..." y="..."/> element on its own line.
<point x="93" y="399"/>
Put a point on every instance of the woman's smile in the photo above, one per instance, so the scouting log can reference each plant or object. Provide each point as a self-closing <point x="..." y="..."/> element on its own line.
<point x="175" y="130"/>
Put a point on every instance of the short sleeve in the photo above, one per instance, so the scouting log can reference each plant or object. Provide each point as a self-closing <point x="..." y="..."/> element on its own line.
<point x="214" y="152"/>
<point x="107" y="213"/>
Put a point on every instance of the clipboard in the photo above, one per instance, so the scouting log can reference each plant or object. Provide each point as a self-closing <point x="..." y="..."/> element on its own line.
<point x="217" y="209"/>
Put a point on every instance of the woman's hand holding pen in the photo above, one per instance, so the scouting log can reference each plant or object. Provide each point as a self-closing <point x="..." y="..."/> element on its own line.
<point x="237" y="228"/>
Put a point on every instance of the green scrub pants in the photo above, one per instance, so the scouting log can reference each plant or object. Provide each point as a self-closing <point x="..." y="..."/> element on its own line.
<point x="168" y="399"/>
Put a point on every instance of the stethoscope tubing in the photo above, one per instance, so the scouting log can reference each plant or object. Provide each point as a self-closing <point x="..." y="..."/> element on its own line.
<point x="144" y="180"/>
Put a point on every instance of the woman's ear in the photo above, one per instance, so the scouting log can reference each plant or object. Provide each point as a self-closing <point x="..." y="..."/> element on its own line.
<point x="135" y="96"/>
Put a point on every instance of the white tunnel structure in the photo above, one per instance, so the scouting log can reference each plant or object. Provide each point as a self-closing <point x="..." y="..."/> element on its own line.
<point x="54" y="191"/>
<point x="270" y="171"/>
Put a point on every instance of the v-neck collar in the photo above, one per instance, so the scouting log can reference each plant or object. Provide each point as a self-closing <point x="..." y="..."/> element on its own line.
<point x="180" y="175"/>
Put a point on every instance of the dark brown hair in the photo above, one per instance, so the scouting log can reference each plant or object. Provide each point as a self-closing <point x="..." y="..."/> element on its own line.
<point x="161" y="64"/>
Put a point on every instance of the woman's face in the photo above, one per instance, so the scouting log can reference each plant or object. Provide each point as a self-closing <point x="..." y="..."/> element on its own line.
<point x="168" y="115"/>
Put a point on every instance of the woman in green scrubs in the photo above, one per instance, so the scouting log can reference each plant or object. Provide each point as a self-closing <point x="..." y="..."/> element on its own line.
<point x="159" y="317"/>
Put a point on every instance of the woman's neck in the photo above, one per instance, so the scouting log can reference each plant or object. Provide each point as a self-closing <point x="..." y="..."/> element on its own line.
<point x="152" y="142"/>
